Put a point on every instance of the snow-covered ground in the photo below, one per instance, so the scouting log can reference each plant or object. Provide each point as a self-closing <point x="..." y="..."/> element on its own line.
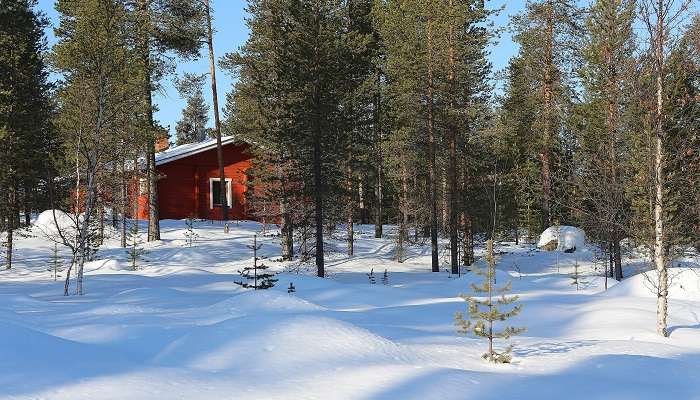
<point x="179" y="328"/>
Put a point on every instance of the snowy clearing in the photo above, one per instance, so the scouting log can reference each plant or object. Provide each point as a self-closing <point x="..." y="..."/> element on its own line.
<point x="179" y="328"/>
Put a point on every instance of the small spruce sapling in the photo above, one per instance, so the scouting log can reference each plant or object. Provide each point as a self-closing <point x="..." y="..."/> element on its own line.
<point x="576" y="276"/>
<point x="370" y="276"/>
<point x="190" y="234"/>
<point x="135" y="251"/>
<point x="483" y="313"/>
<point x="56" y="263"/>
<point x="291" y="289"/>
<point x="257" y="273"/>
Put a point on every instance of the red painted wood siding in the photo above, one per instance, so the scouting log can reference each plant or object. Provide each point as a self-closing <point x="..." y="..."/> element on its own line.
<point x="183" y="188"/>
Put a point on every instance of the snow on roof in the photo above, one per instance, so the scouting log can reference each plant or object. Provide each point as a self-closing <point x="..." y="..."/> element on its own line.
<point x="186" y="150"/>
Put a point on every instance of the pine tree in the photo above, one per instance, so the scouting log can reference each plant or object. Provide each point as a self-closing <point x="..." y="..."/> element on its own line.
<point x="483" y="313"/>
<point x="548" y="33"/>
<point x="436" y="89"/>
<point x="161" y="27"/>
<point x="100" y="73"/>
<point x="215" y="98"/>
<point x="609" y="61"/>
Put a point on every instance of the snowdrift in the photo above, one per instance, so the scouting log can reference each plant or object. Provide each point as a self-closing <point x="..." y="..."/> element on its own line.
<point x="684" y="285"/>
<point x="565" y="238"/>
<point x="278" y="344"/>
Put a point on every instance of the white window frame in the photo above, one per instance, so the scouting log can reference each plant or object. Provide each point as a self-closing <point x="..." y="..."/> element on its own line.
<point x="229" y="184"/>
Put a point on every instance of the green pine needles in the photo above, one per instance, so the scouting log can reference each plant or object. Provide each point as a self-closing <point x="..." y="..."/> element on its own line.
<point x="485" y="311"/>
<point x="257" y="277"/>
<point x="56" y="263"/>
<point x="135" y="251"/>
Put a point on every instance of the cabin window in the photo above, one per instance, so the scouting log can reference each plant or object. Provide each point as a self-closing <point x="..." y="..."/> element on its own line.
<point x="215" y="192"/>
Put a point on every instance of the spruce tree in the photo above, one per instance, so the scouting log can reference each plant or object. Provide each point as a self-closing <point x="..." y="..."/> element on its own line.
<point x="135" y="251"/>
<point x="256" y="273"/>
<point x="298" y="112"/>
<point x="26" y="108"/>
<point x="192" y="128"/>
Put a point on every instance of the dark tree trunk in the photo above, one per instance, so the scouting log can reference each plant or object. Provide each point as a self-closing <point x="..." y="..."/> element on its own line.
<point x="101" y="226"/>
<point x="11" y="223"/>
<point x="378" y="222"/>
<point x="350" y="208"/>
<point x="617" y="256"/>
<point x="431" y="158"/>
<point x="217" y="121"/>
<point x="318" y="197"/>
<point x="611" y="259"/>
<point x="9" y="245"/>
<point x="151" y="174"/>
<point x="547" y="112"/>
<point x="287" y="233"/>
<point x="27" y="208"/>
<point x="452" y="167"/>
<point x="364" y="217"/>
<point x="403" y="228"/>
<point x="124" y="206"/>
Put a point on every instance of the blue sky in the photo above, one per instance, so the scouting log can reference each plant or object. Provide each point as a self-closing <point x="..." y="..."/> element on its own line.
<point x="231" y="33"/>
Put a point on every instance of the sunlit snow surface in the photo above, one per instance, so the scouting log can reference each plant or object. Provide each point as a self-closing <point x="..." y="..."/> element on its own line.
<point x="178" y="328"/>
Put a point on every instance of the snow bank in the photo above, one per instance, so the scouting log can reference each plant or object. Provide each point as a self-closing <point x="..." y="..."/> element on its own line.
<point x="565" y="238"/>
<point x="684" y="285"/>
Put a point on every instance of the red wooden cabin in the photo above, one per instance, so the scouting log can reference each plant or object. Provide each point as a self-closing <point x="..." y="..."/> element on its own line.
<point x="189" y="185"/>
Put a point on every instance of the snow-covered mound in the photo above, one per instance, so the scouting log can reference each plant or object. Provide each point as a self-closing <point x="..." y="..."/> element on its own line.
<point x="563" y="237"/>
<point x="107" y="265"/>
<point x="46" y="223"/>
<point x="278" y="344"/>
<point x="684" y="285"/>
<point x="251" y="302"/>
